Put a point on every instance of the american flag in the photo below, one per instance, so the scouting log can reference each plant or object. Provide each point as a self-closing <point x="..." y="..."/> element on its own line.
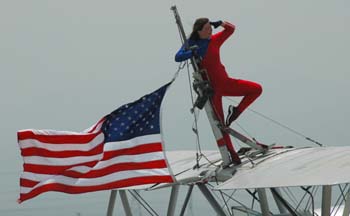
<point x="121" y="150"/>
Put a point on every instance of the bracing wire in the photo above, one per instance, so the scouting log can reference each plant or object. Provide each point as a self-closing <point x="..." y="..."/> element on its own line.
<point x="195" y="125"/>
<point x="282" y="125"/>
<point x="143" y="202"/>
<point x="340" y="200"/>
<point x="306" y="189"/>
<point x="195" y="128"/>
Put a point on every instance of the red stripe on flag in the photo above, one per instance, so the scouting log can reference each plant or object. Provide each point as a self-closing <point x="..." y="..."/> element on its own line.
<point x="140" y="149"/>
<point x="32" y="151"/>
<point x="58" y="139"/>
<point x="83" y="189"/>
<point x="27" y="183"/>
<point x="158" y="164"/>
<point x="53" y="170"/>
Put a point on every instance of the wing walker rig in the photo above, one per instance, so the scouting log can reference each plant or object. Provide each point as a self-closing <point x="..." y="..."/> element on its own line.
<point x="274" y="180"/>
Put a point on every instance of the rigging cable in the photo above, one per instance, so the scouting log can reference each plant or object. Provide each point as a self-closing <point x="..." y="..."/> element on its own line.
<point x="340" y="200"/>
<point x="282" y="125"/>
<point x="195" y="124"/>
<point x="143" y="202"/>
<point x="306" y="189"/>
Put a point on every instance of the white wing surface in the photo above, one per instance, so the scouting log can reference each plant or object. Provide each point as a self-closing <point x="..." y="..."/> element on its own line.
<point x="293" y="167"/>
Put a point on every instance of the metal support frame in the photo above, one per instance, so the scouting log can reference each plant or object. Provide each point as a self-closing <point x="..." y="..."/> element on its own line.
<point x="219" y="211"/>
<point x="125" y="203"/>
<point x="244" y="139"/>
<point x="124" y="199"/>
<point x="173" y="200"/>
<point x="188" y="195"/>
<point x="111" y="202"/>
<point x="326" y="200"/>
<point x="283" y="206"/>
<point x="346" y="211"/>
<point x="213" y="120"/>
<point x="276" y="193"/>
<point x="264" y="205"/>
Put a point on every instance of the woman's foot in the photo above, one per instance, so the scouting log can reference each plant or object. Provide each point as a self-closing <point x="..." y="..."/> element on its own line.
<point x="232" y="115"/>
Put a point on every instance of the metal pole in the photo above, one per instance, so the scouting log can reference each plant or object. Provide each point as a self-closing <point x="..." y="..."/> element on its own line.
<point x="111" y="202"/>
<point x="219" y="211"/>
<point x="188" y="195"/>
<point x="326" y="200"/>
<point x="173" y="200"/>
<point x="125" y="202"/>
<point x="213" y="120"/>
<point x="346" y="211"/>
<point x="263" y="202"/>
<point x="276" y="193"/>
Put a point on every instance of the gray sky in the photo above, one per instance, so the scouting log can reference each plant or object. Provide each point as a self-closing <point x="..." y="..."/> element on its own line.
<point x="65" y="64"/>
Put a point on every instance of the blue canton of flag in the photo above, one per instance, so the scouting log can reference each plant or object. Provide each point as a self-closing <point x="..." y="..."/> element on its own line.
<point x="135" y="119"/>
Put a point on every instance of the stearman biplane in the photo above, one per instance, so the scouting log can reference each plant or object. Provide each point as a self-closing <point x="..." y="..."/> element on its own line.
<point x="278" y="180"/>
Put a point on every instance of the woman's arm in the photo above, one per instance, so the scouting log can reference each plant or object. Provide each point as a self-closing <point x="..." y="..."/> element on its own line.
<point x="229" y="28"/>
<point x="183" y="54"/>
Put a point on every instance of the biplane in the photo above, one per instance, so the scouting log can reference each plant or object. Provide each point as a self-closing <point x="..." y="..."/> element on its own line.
<point x="279" y="180"/>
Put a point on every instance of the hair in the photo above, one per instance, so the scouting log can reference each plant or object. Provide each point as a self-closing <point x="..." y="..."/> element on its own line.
<point x="197" y="26"/>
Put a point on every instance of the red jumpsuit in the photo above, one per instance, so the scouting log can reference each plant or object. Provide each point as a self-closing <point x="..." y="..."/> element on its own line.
<point x="223" y="85"/>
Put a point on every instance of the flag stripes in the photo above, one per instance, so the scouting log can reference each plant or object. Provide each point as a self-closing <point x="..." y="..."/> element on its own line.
<point x="123" y="149"/>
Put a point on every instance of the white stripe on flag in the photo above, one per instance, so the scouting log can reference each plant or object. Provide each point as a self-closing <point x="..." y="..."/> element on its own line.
<point x="28" y="143"/>
<point x="101" y="164"/>
<point x="153" y="138"/>
<point x="123" y="175"/>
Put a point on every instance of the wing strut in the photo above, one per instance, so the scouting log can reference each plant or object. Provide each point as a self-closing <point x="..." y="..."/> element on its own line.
<point x="188" y="195"/>
<point x="211" y="199"/>
<point x="173" y="199"/>
<point x="326" y="199"/>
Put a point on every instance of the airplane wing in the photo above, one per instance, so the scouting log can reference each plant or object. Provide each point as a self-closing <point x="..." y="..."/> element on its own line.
<point x="183" y="165"/>
<point x="293" y="167"/>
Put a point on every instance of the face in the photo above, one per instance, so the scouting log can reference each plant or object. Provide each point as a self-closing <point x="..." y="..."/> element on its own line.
<point x="206" y="31"/>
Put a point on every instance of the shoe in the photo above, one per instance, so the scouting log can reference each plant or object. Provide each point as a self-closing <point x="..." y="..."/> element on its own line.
<point x="232" y="115"/>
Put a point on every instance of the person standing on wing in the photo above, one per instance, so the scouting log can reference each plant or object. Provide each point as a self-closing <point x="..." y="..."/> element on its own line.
<point x="208" y="49"/>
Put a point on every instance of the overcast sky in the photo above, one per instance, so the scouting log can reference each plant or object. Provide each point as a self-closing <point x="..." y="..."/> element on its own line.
<point x="64" y="64"/>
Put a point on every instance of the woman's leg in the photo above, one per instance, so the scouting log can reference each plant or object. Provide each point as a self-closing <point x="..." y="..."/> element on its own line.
<point x="237" y="87"/>
<point x="217" y="106"/>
